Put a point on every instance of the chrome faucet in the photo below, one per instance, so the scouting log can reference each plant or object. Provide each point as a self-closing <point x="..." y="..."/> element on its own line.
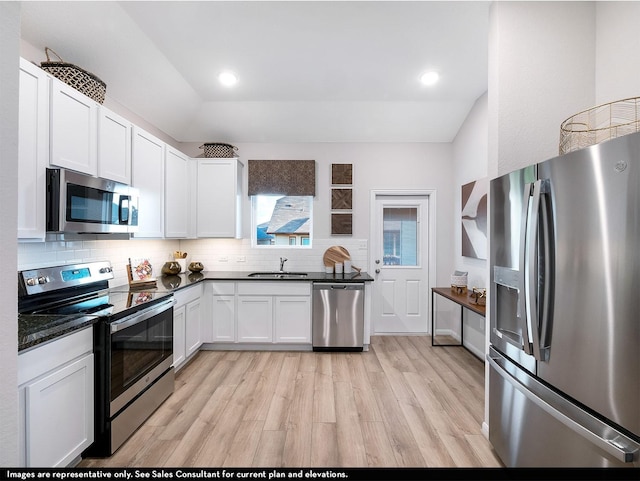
<point x="282" y="261"/>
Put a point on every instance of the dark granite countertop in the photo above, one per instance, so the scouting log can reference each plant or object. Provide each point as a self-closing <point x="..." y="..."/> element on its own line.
<point x="34" y="329"/>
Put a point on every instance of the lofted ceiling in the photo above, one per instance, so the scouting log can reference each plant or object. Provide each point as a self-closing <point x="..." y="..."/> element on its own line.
<point x="324" y="71"/>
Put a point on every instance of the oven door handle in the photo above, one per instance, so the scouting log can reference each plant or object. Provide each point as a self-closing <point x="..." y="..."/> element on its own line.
<point x="142" y="316"/>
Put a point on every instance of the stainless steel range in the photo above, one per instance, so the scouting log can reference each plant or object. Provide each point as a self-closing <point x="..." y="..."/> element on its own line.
<point x="133" y="341"/>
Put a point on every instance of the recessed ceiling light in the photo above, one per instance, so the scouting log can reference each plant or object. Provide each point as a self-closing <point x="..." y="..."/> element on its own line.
<point x="429" y="78"/>
<point x="227" y="79"/>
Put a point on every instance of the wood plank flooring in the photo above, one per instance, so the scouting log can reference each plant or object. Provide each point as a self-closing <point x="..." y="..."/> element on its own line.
<point x="403" y="403"/>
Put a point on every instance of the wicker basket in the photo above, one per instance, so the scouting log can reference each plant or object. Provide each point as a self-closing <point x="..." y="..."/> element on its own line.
<point x="600" y="123"/>
<point x="81" y="80"/>
<point x="217" y="150"/>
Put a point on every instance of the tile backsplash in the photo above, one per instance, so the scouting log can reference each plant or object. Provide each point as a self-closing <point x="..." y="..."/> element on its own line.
<point x="215" y="254"/>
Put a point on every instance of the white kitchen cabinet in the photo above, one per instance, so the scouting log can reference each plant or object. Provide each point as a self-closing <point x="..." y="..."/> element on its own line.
<point x="219" y="198"/>
<point x="114" y="146"/>
<point x="292" y="319"/>
<point x="255" y="319"/>
<point x="74" y="119"/>
<point x="176" y="194"/>
<point x="187" y="335"/>
<point x="33" y="150"/>
<point x="179" y="350"/>
<point x="147" y="166"/>
<point x="219" y="319"/>
<point x="193" y="328"/>
<point x="250" y="312"/>
<point x="56" y="401"/>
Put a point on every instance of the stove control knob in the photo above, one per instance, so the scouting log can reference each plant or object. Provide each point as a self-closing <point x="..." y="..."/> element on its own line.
<point x="106" y="270"/>
<point x="42" y="280"/>
<point x="32" y="281"/>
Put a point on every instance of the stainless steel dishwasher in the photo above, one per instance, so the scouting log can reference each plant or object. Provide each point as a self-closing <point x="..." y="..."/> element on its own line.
<point x="338" y="316"/>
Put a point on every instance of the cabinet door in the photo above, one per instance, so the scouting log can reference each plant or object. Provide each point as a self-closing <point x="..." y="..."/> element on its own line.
<point x="193" y="337"/>
<point x="218" y="198"/>
<point x="176" y="195"/>
<point x="255" y="319"/>
<point x="33" y="151"/>
<point x="147" y="166"/>
<point x="179" y="323"/>
<point x="74" y="119"/>
<point x="223" y="312"/>
<point x="293" y="319"/>
<point x="60" y="415"/>
<point x="114" y="147"/>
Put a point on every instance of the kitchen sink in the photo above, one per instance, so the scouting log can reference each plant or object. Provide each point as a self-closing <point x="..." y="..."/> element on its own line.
<point x="279" y="275"/>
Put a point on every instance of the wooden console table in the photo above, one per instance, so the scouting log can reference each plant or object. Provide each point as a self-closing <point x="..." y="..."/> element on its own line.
<point x="461" y="299"/>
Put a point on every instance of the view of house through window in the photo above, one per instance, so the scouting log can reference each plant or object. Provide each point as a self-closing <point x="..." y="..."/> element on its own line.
<point x="282" y="221"/>
<point x="400" y="236"/>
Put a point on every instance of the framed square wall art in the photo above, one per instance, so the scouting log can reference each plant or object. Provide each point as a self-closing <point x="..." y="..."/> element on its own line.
<point x="474" y="218"/>
<point x="341" y="224"/>
<point x="341" y="199"/>
<point x="342" y="174"/>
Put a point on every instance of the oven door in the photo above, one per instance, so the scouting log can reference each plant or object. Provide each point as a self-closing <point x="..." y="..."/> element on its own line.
<point x="141" y="348"/>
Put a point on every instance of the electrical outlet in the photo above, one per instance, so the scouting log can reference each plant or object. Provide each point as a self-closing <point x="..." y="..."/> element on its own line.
<point x="224" y="259"/>
<point x="362" y="245"/>
<point x="241" y="259"/>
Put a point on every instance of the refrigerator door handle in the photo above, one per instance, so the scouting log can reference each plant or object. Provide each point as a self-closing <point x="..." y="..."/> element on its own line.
<point x="528" y="250"/>
<point x="615" y="447"/>
<point x="523" y="294"/>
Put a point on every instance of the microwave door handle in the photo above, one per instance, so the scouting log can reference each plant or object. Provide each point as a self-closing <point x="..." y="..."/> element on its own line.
<point x="523" y="294"/>
<point x="122" y="208"/>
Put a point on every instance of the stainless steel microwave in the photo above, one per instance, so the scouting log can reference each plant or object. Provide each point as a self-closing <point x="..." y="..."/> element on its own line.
<point x="80" y="203"/>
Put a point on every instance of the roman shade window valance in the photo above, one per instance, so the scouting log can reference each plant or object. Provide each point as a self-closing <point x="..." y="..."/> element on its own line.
<point x="284" y="177"/>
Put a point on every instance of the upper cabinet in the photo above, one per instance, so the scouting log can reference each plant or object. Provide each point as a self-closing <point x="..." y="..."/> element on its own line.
<point x="74" y="119"/>
<point x="219" y="198"/>
<point x="147" y="165"/>
<point x="33" y="150"/>
<point x="114" y="147"/>
<point x="176" y="194"/>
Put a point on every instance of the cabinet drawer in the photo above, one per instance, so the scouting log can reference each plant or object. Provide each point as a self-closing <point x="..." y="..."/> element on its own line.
<point x="184" y="296"/>
<point x="221" y="288"/>
<point x="41" y="359"/>
<point x="277" y="288"/>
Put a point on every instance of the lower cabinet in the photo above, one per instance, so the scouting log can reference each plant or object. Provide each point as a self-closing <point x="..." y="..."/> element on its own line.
<point x="56" y="401"/>
<point x="255" y="319"/>
<point x="259" y="312"/>
<point x="187" y="328"/>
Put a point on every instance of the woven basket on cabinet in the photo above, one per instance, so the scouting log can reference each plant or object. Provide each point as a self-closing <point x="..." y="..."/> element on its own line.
<point x="76" y="77"/>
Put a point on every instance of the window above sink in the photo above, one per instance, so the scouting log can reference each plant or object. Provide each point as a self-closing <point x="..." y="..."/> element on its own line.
<point x="281" y="221"/>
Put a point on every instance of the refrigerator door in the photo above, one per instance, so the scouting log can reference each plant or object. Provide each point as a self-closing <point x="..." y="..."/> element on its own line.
<point x="594" y="336"/>
<point x="508" y="208"/>
<point x="532" y="426"/>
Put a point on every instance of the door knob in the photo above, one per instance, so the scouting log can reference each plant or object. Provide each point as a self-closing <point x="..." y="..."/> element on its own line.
<point x="377" y="271"/>
<point x="377" y="261"/>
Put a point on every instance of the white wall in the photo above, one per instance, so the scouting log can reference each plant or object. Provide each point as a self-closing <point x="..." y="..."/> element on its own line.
<point x="470" y="162"/>
<point x="617" y="47"/>
<point x="375" y="166"/>
<point x="541" y="71"/>
<point x="9" y="47"/>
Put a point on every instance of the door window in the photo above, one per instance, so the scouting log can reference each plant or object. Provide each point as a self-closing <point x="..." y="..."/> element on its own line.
<point x="400" y="236"/>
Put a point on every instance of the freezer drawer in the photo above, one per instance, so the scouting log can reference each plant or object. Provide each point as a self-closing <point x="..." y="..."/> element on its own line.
<point x="338" y="316"/>
<point x="532" y="426"/>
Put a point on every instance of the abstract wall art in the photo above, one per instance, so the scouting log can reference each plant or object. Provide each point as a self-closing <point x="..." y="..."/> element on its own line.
<point x="474" y="218"/>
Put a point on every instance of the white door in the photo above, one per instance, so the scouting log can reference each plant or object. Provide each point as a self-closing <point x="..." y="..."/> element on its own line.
<point x="400" y="263"/>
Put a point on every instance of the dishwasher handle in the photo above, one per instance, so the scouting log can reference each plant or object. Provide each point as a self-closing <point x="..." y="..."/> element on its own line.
<point x="344" y="286"/>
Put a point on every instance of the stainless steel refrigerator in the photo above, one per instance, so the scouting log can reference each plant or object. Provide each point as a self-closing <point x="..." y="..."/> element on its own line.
<point x="564" y="377"/>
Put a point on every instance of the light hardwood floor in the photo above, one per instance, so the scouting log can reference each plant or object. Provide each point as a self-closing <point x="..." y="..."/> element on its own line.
<point x="403" y="403"/>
